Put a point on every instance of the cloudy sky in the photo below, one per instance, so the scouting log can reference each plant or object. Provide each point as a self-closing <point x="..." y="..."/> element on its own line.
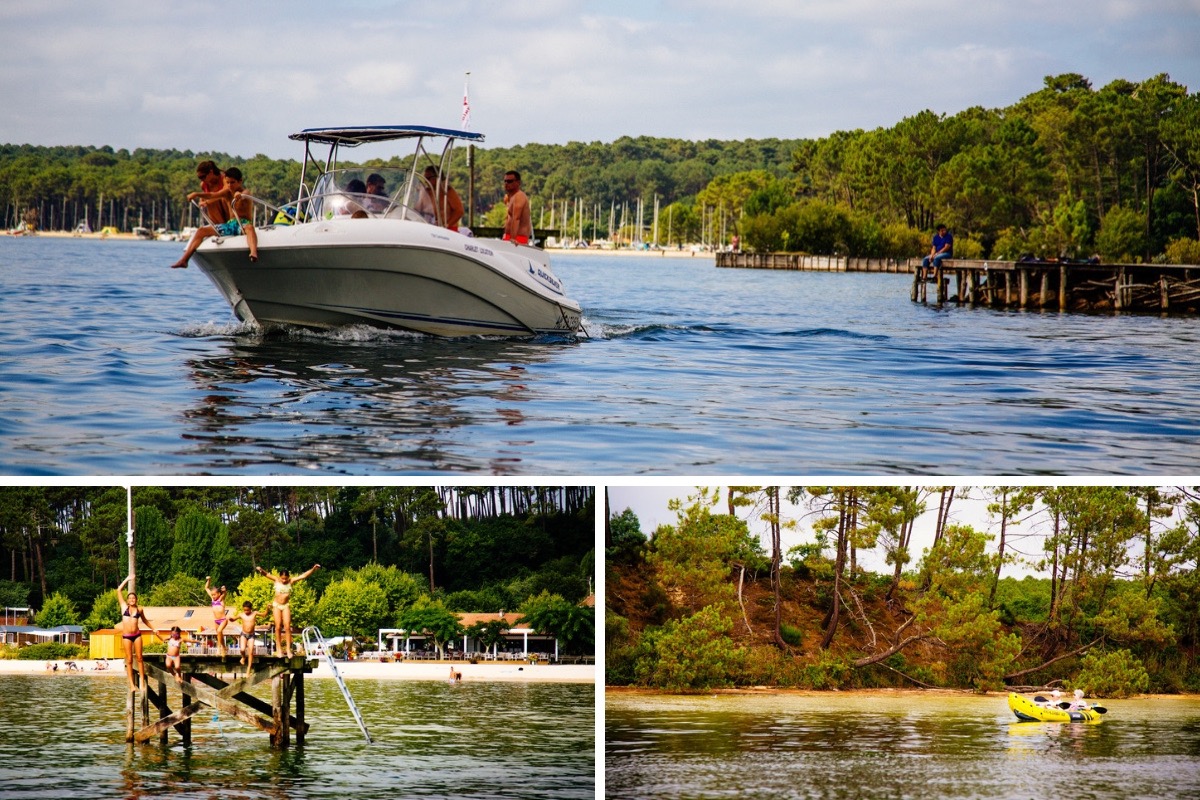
<point x="649" y="503"/>
<point x="239" y="77"/>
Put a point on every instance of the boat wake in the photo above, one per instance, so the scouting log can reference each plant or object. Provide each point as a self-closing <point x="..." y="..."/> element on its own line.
<point x="348" y="334"/>
<point x="666" y="332"/>
<point x="204" y="330"/>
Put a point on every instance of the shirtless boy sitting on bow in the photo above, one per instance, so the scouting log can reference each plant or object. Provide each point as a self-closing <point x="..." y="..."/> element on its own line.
<point x="243" y="210"/>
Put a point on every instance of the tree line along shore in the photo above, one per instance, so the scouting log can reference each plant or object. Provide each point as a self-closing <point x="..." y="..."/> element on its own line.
<point x="1069" y="170"/>
<point x="408" y="557"/>
<point x="1080" y="587"/>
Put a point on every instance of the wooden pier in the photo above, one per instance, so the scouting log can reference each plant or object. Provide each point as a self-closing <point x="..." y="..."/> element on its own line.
<point x="204" y="687"/>
<point x="808" y="263"/>
<point x="1162" y="288"/>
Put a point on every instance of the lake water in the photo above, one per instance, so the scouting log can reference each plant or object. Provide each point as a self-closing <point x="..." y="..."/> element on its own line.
<point x="882" y="747"/>
<point x="64" y="736"/>
<point x="111" y="363"/>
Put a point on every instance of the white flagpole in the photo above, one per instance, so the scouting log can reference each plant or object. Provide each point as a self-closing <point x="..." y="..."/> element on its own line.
<point x="466" y="107"/>
<point x="465" y="125"/>
<point x="129" y="538"/>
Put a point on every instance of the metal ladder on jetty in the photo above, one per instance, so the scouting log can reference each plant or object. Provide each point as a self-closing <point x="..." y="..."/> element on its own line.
<point x="314" y="645"/>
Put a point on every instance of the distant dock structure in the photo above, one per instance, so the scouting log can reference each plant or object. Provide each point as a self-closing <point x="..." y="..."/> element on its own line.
<point x="807" y="263"/>
<point x="1065" y="286"/>
<point x="204" y="689"/>
<point x="1062" y="286"/>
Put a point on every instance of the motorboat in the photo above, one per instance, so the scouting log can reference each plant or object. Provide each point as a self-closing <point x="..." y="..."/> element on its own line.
<point x="342" y="255"/>
<point x="1039" y="709"/>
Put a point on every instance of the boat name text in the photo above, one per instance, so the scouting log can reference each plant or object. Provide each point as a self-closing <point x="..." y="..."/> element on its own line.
<point x="546" y="277"/>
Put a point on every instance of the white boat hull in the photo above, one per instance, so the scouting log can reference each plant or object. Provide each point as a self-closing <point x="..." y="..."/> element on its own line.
<point x="389" y="273"/>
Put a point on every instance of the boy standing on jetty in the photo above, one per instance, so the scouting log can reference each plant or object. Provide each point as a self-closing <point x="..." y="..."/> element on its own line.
<point x="243" y="210"/>
<point x="249" y="621"/>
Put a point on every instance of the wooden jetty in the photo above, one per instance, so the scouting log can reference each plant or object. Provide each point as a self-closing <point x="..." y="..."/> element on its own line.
<point x="807" y="263"/>
<point x="204" y="687"/>
<point x="1164" y="288"/>
<point x="1066" y="286"/>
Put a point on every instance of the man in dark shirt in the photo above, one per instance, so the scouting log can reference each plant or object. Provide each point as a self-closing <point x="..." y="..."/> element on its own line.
<point x="942" y="248"/>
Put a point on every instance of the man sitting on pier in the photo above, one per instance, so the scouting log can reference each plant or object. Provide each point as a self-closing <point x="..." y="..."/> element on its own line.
<point x="942" y="248"/>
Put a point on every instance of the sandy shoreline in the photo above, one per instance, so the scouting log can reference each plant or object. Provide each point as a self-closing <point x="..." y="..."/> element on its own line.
<point x="88" y="236"/>
<point x="510" y="671"/>
<point x="553" y="251"/>
<point x="672" y="253"/>
<point x="636" y="691"/>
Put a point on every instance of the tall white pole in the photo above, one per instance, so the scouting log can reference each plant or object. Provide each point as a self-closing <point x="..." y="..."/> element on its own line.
<point x="129" y="538"/>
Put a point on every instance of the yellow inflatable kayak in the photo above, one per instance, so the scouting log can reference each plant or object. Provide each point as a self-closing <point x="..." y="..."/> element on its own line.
<point x="1029" y="711"/>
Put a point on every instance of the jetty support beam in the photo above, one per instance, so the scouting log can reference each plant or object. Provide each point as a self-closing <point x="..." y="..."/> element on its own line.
<point x="202" y="690"/>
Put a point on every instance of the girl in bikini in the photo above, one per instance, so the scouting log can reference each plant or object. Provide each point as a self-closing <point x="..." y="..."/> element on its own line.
<point x="175" y="653"/>
<point x="131" y="634"/>
<point x="281" y="606"/>
<point x="220" y="613"/>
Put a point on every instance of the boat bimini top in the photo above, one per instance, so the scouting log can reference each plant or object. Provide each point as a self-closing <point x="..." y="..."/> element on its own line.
<point x="327" y="179"/>
<point x="353" y="137"/>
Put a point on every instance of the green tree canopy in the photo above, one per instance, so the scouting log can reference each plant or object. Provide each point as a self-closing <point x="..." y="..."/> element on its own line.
<point x="57" y="610"/>
<point x="350" y="607"/>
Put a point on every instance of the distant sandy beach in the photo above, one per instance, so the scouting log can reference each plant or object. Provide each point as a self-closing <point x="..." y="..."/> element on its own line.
<point x="554" y="251"/>
<point x="92" y="236"/>
<point x="368" y="670"/>
<point x="666" y="253"/>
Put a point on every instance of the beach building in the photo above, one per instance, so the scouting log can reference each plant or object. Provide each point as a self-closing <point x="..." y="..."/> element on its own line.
<point x="518" y="641"/>
<point x="21" y="635"/>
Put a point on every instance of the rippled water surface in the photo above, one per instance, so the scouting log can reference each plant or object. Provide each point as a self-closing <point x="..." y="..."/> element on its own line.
<point x="64" y="736"/>
<point x="908" y="746"/>
<point x="111" y="363"/>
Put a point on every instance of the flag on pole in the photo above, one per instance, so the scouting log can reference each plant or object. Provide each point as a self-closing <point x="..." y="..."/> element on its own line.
<point x="466" y="109"/>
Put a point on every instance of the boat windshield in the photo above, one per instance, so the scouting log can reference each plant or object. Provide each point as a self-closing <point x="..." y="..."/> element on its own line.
<point x="364" y="192"/>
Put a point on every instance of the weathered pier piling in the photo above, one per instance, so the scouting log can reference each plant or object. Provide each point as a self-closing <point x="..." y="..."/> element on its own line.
<point x="1165" y="288"/>
<point x="204" y="687"/>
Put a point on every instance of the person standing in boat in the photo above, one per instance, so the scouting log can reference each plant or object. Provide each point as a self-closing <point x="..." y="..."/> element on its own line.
<point x="282" y="605"/>
<point x="243" y="210"/>
<point x="941" y="248"/>
<point x="517" y="225"/>
<point x="445" y="201"/>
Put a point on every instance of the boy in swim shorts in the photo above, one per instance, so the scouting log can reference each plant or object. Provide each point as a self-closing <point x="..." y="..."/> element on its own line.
<point x="243" y="210"/>
<point x="249" y="621"/>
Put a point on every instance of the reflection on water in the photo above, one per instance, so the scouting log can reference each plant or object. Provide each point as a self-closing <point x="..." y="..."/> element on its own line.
<point x="907" y="745"/>
<point x="360" y="397"/>
<point x="63" y="736"/>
